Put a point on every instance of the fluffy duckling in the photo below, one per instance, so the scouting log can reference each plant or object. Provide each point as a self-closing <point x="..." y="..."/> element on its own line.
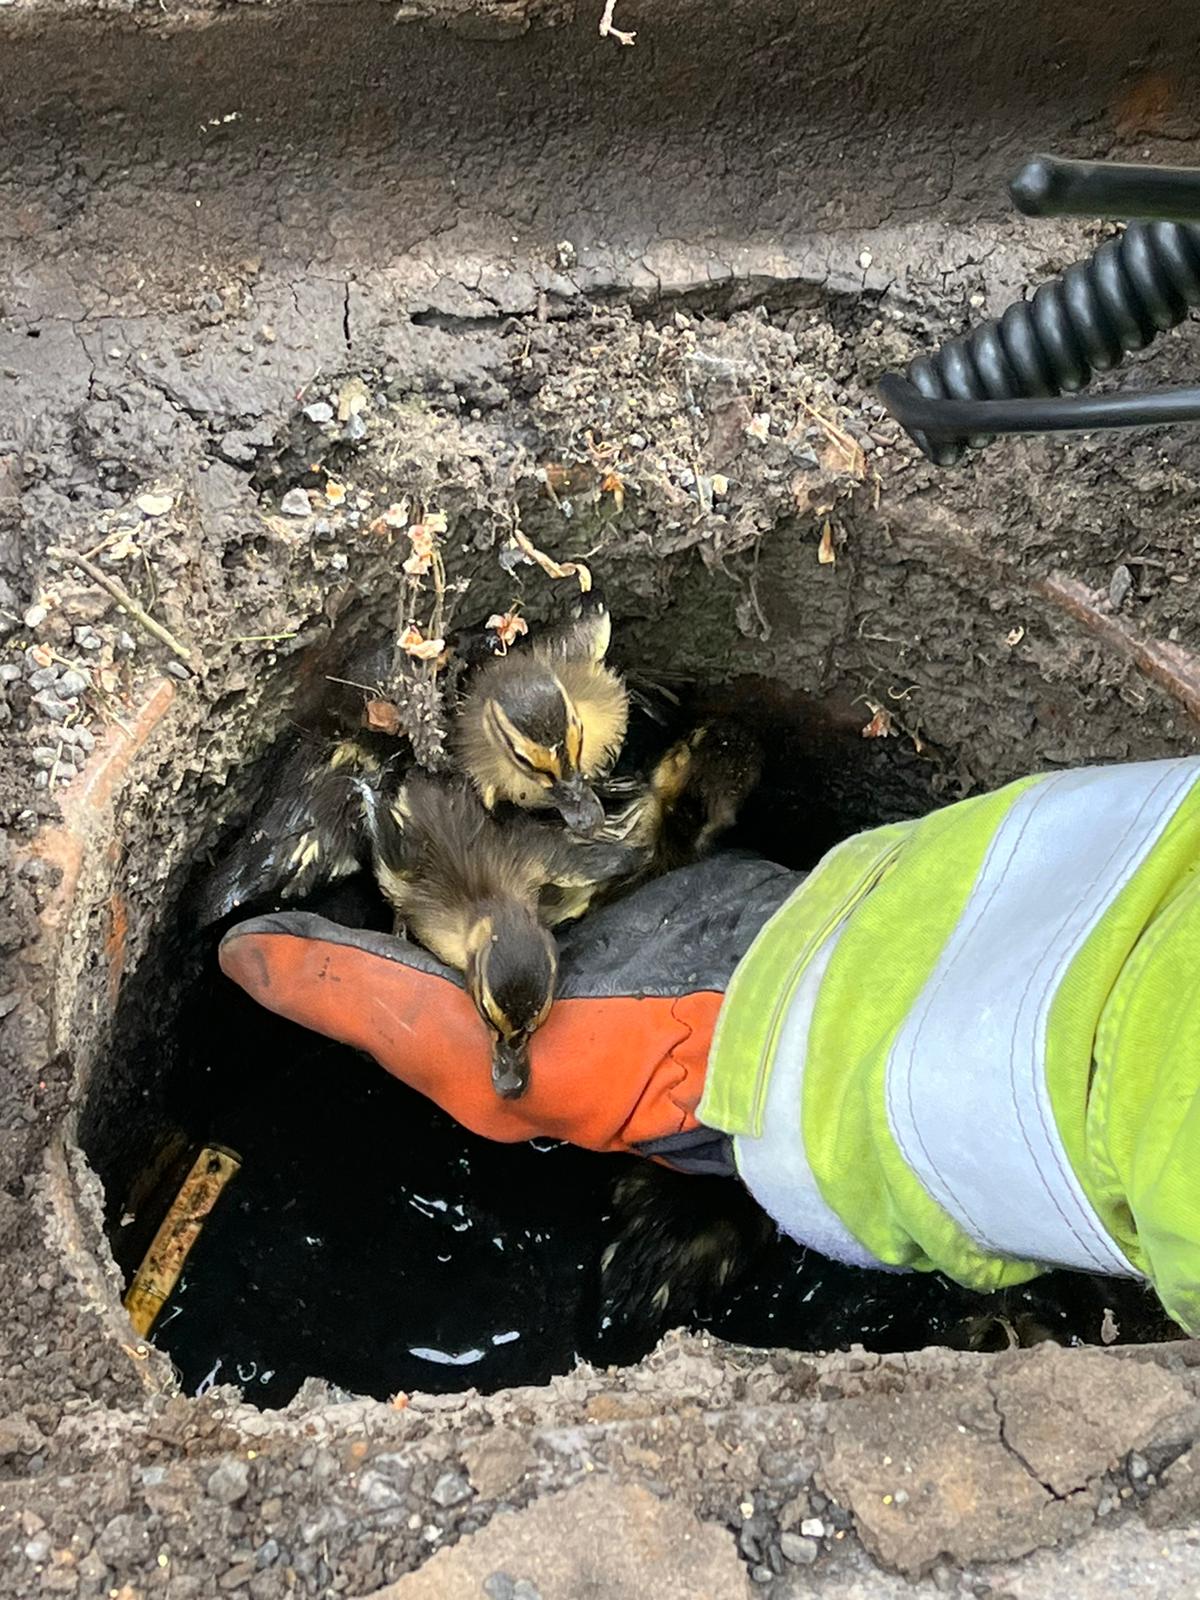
<point x="482" y="896"/>
<point x="541" y="724"/>
<point x="680" y="1244"/>
<point x="693" y="796"/>
<point x="311" y="831"/>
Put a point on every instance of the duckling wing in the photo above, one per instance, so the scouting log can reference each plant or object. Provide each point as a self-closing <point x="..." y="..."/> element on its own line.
<point x="310" y="831"/>
<point x="585" y="635"/>
<point x="579" y="871"/>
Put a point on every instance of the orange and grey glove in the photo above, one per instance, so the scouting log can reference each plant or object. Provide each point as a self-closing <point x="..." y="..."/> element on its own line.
<point x="620" y="1063"/>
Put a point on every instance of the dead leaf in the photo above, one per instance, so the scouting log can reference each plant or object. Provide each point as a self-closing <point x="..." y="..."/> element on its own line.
<point x="880" y="724"/>
<point x="508" y="627"/>
<point x="1110" y="1329"/>
<point x="414" y="643"/>
<point x="42" y="654"/>
<point x="399" y="1401"/>
<point x="841" y="453"/>
<point x="759" y="426"/>
<point x="612" y="483"/>
<point x="826" y="554"/>
<point x="720" y="484"/>
<point x="435" y="521"/>
<point x="122" y="549"/>
<point x="1014" y="637"/>
<point x="335" y="492"/>
<point x="382" y="717"/>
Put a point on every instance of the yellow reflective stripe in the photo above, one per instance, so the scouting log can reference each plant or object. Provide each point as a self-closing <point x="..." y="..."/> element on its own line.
<point x="766" y="980"/>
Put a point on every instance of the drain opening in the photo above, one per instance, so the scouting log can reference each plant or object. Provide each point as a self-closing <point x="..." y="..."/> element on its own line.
<point x="370" y="1241"/>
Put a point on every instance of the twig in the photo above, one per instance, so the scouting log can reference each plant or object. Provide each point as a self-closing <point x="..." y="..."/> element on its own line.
<point x="607" y="31"/>
<point x="123" y="598"/>
<point x="552" y="568"/>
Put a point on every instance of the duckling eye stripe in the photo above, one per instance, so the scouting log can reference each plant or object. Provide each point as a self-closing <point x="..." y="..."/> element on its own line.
<point x="775" y="1167"/>
<point x="967" y="1097"/>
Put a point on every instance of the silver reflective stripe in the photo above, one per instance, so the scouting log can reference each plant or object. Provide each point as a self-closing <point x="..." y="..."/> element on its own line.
<point x="774" y="1167"/>
<point x="966" y="1088"/>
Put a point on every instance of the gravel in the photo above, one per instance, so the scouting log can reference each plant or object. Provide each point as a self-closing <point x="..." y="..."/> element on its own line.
<point x="295" y="503"/>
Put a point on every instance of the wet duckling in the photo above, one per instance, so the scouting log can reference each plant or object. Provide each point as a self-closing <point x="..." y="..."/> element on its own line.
<point x="541" y="724"/>
<point x="680" y="1244"/>
<point x="311" y="831"/>
<point x="693" y="796"/>
<point x="482" y="895"/>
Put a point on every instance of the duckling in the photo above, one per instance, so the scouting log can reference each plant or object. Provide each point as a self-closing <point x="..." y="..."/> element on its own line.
<point x="541" y="724"/>
<point x="693" y="796"/>
<point x="482" y="896"/>
<point x="312" y="830"/>
<point x="680" y="1243"/>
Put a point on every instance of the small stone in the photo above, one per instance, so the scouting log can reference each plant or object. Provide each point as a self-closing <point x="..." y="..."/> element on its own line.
<point x="499" y="1586"/>
<point x="943" y="1578"/>
<point x="812" y="1528"/>
<point x="267" y="1553"/>
<point x="178" y="670"/>
<point x="9" y="672"/>
<point x="43" y="678"/>
<point x="319" y="411"/>
<point x="154" y="505"/>
<point x="1138" y="1467"/>
<point x="44" y="757"/>
<point x="85" y="739"/>
<point x="78" y="755"/>
<point x="72" y="683"/>
<point x="524" y="1590"/>
<point x="35" y="616"/>
<point x="229" y="1482"/>
<point x="355" y="429"/>
<point x="51" y="706"/>
<point x="86" y="637"/>
<point x="761" y="1574"/>
<point x="1119" y="587"/>
<point x="237" y="1576"/>
<point x="865" y="258"/>
<point x="798" y="1550"/>
<point x="295" y="504"/>
<point x="126" y="643"/>
<point x="38" y="1548"/>
<point x="41" y="780"/>
<point x="451" y="1489"/>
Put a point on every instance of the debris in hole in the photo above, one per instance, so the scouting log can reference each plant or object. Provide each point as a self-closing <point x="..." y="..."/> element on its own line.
<point x="154" y="505"/>
<point x="1120" y="587"/>
<point x="295" y="503"/>
<point x="1110" y="1330"/>
<point x="826" y="554"/>
<point x="180" y="1228"/>
<point x="880" y="725"/>
<point x="607" y="30"/>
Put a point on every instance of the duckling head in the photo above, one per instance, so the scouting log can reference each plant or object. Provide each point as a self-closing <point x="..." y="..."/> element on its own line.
<point x="522" y="740"/>
<point x="511" y="970"/>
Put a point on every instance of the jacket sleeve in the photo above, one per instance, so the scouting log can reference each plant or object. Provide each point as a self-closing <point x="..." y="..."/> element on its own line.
<point x="968" y="1044"/>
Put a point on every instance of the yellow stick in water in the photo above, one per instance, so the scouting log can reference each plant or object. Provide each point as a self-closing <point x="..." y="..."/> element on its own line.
<point x="164" y="1261"/>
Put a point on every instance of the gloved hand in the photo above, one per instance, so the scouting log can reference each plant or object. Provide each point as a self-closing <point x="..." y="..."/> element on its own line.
<point x="619" y="1065"/>
<point x="968" y="1043"/>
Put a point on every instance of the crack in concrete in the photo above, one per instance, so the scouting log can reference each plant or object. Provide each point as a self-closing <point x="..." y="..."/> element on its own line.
<point x="1026" y="1465"/>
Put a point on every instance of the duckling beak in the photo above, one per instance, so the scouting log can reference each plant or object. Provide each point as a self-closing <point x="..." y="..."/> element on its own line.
<point x="578" y="806"/>
<point x="510" y="1068"/>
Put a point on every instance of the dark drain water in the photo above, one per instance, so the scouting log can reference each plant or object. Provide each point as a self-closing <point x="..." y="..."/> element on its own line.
<point x="370" y="1241"/>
